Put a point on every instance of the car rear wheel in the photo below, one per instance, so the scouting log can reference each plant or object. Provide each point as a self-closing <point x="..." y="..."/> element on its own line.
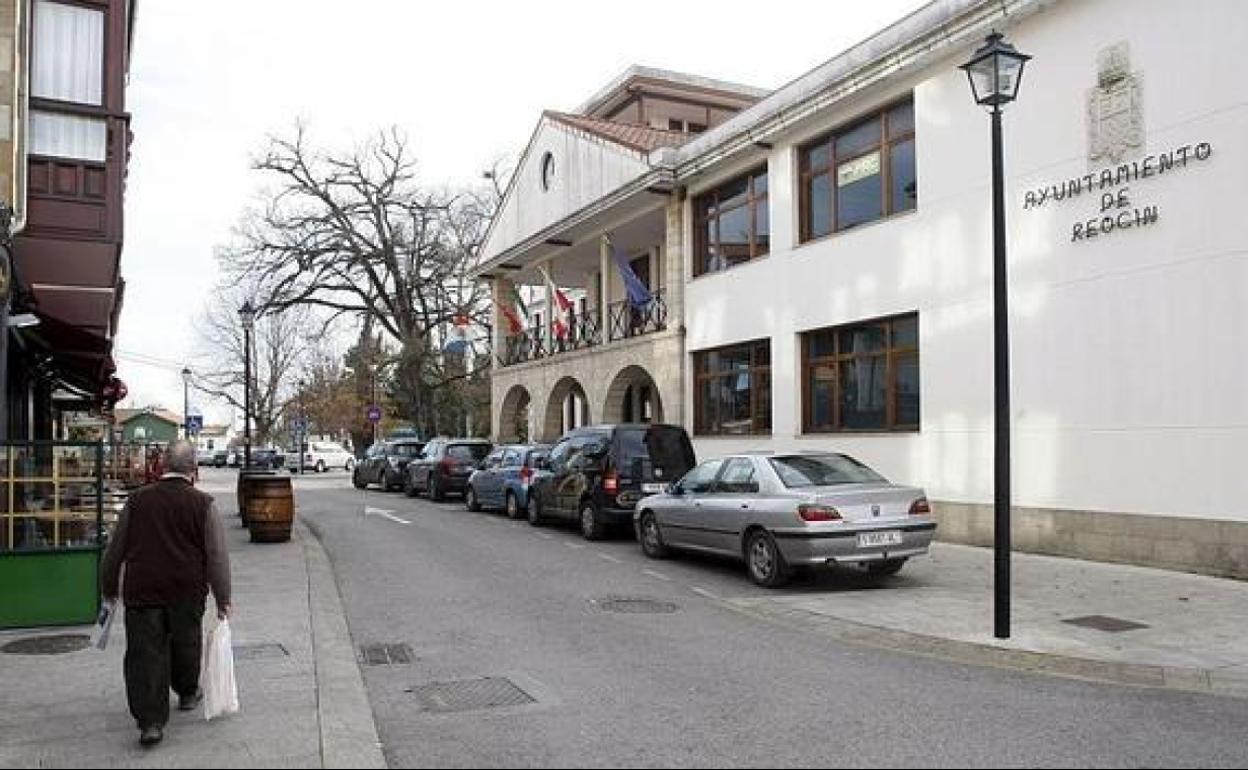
<point x="650" y="537"/>
<point x="358" y="482"/>
<point x="512" y="506"/>
<point x="320" y="466"/>
<point x="592" y="527"/>
<point x="470" y="500"/>
<point x="886" y="567"/>
<point x="535" y="509"/>
<point x="763" y="560"/>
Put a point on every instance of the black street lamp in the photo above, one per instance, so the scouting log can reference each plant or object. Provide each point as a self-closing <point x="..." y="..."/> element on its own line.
<point x="302" y="432"/>
<point x="248" y="314"/>
<point x="995" y="71"/>
<point x="186" y="403"/>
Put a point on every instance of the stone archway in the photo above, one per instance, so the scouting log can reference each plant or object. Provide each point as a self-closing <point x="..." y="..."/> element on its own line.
<point x="514" y="416"/>
<point x="632" y="396"/>
<point x="566" y="408"/>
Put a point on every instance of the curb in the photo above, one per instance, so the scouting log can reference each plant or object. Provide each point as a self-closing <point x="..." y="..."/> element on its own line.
<point x="1198" y="680"/>
<point x="348" y="732"/>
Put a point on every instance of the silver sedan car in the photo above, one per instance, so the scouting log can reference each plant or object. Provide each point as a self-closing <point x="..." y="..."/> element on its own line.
<point x="782" y="511"/>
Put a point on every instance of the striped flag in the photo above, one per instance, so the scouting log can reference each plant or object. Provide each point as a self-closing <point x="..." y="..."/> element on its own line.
<point x="565" y="306"/>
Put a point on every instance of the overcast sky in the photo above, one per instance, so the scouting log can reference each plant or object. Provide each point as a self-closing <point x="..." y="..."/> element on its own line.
<point x="466" y="81"/>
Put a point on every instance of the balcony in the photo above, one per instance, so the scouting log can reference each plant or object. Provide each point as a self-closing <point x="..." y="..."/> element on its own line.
<point x="624" y="321"/>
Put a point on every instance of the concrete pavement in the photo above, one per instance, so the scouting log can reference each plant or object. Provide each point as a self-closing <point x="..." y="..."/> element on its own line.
<point x="1135" y="625"/>
<point x="303" y="702"/>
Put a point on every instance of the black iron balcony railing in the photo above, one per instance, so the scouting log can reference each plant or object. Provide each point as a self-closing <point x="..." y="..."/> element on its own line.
<point x="585" y="331"/>
<point x="629" y="320"/>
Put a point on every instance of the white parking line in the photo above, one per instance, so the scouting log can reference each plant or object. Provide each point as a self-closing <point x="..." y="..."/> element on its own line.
<point x="654" y="574"/>
<point x="385" y="514"/>
<point x="573" y="545"/>
<point x="609" y="557"/>
<point x="703" y="592"/>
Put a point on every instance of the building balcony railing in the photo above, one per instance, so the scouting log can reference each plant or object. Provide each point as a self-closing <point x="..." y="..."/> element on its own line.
<point x="584" y="330"/>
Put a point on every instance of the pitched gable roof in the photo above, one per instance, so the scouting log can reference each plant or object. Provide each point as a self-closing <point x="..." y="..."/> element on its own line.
<point x="634" y="136"/>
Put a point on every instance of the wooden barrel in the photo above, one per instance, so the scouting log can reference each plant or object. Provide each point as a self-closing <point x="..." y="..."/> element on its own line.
<point x="243" y="490"/>
<point x="270" y="510"/>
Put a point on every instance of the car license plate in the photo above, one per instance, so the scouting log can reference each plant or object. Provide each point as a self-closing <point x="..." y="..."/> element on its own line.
<point x="653" y="489"/>
<point x="875" y="539"/>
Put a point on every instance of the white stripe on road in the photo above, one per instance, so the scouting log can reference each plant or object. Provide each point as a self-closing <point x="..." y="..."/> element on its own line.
<point x="386" y="514"/>
<point x="545" y="536"/>
<point x="654" y="574"/>
<point x="703" y="592"/>
<point x="573" y="545"/>
<point x="609" y="557"/>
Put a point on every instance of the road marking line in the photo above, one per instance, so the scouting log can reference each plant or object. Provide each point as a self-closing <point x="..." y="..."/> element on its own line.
<point x="654" y="574"/>
<point x="704" y="592"/>
<point x="609" y="557"/>
<point x="573" y="545"/>
<point x="545" y="536"/>
<point x="386" y="514"/>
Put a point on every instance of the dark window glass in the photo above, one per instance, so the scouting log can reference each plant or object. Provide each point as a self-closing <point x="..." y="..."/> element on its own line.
<point x="862" y="377"/>
<point x="819" y="156"/>
<point x="904" y="183"/>
<point x="474" y="452"/>
<point x="511" y="459"/>
<point x="820" y="206"/>
<point x="733" y="390"/>
<point x="762" y="229"/>
<point x="858" y="138"/>
<point x="760" y="183"/>
<point x="696" y="128"/>
<point x="734" y="235"/>
<point x="730" y="228"/>
<point x="699" y="480"/>
<point x="901" y="120"/>
<point x="674" y="125"/>
<point x="858" y="189"/>
<point x="823" y="470"/>
<point x="664" y="447"/>
<point x="762" y="401"/>
<point x="738" y="477"/>
<point x="734" y="193"/>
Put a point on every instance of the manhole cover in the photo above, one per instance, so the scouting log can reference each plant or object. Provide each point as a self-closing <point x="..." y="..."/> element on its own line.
<point x="259" y="650"/>
<point x="471" y="694"/>
<point x="48" y="645"/>
<point x="385" y="654"/>
<point x="1105" y="623"/>
<point x="635" y="605"/>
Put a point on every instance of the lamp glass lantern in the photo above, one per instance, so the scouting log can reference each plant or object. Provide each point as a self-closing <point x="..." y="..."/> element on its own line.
<point x="248" y="314"/>
<point x="995" y="72"/>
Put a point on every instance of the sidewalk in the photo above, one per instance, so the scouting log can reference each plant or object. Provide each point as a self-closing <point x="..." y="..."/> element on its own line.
<point x="303" y="702"/>
<point x="1191" y="633"/>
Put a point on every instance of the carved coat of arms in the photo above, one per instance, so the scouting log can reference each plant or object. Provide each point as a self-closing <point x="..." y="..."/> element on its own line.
<point x="1115" y="110"/>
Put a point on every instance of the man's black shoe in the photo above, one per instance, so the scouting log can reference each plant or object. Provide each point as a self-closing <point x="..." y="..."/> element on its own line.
<point x="188" y="702"/>
<point x="151" y="736"/>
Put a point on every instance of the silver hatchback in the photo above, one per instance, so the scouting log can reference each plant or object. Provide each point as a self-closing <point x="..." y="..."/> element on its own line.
<point x="781" y="511"/>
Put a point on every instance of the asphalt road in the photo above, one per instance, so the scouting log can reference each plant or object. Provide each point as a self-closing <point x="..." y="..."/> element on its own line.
<point x="478" y="596"/>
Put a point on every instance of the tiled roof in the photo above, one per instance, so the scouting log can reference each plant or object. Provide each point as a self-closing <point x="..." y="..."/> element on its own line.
<point x="632" y="135"/>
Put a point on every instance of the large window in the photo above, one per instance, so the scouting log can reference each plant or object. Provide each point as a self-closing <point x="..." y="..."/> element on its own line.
<point x="733" y="390"/>
<point x="859" y="174"/>
<point x="862" y="377"/>
<point x="731" y="223"/>
<point x="67" y="67"/>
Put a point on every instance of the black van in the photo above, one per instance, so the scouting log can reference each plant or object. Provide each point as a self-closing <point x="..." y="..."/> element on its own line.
<point x="595" y="475"/>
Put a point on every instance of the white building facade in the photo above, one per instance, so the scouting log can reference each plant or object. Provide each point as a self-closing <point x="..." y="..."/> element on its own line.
<point x="828" y="253"/>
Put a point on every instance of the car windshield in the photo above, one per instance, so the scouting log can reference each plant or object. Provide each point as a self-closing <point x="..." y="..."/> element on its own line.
<point x="476" y="452"/>
<point x="822" y="471"/>
<point x="666" y="446"/>
<point x="406" y="450"/>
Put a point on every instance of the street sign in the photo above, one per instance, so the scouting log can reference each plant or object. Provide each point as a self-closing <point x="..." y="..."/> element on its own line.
<point x="374" y="414"/>
<point x="194" y="423"/>
<point x="298" y="424"/>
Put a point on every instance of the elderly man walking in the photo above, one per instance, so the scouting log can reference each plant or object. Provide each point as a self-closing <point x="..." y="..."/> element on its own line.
<point x="170" y="542"/>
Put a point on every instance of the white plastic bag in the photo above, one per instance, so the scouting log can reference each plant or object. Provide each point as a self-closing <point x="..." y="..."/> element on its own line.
<point x="220" y="689"/>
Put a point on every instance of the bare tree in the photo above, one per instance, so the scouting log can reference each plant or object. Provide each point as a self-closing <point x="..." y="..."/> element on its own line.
<point x="280" y="347"/>
<point x="356" y="235"/>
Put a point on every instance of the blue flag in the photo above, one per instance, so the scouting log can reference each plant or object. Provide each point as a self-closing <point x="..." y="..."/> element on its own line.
<point x="638" y="294"/>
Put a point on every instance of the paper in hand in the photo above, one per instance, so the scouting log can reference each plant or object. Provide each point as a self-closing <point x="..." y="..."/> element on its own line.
<point x="105" y="624"/>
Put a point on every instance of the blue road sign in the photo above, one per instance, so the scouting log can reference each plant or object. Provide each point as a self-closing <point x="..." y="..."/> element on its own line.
<point x="374" y="413"/>
<point x="194" y="423"/>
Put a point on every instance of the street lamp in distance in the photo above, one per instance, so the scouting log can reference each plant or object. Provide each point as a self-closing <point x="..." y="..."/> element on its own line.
<point x="186" y="403"/>
<point x="995" y="72"/>
<point x="247" y="314"/>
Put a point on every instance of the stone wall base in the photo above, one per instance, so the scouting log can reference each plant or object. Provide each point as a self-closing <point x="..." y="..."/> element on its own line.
<point x="1204" y="546"/>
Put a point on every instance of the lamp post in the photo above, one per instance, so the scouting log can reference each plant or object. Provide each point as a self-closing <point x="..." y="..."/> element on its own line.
<point x="186" y="403"/>
<point x="995" y="71"/>
<point x="248" y="315"/>
<point x="302" y="430"/>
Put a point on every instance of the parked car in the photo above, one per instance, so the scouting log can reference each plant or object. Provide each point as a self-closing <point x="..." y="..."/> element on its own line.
<point x="444" y="466"/>
<point x="261" y="457"/>
<point x="321" y="456"/>
<point x="385" y="463"/>
<point x="504" y="477"/>
<point x="783" y="511"/>
<point x="220" y="458"/>
<point x="596" y="475"/>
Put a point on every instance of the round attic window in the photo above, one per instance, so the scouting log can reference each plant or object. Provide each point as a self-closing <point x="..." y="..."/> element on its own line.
<point x="548" y="170"/>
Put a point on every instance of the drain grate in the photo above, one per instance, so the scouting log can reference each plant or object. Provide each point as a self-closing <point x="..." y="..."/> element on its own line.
<point x="635" y="605"/>
<point x="471" y="695"/>
<point x="1105" y="623"/>
<point x="57" y="644"/>
<point x="259" y="651"/>
<point x="385" y="654"/>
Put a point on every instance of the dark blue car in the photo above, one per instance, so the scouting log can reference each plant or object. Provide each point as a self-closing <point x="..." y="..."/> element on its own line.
<point x="503" y="479"/>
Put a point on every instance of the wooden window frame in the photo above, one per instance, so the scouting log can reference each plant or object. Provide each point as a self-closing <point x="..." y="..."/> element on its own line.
<point x="706" y="208"/>
<point x="884" y="145"/>
<point x="757" y="411"/>
<point x="891" y="352"/>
